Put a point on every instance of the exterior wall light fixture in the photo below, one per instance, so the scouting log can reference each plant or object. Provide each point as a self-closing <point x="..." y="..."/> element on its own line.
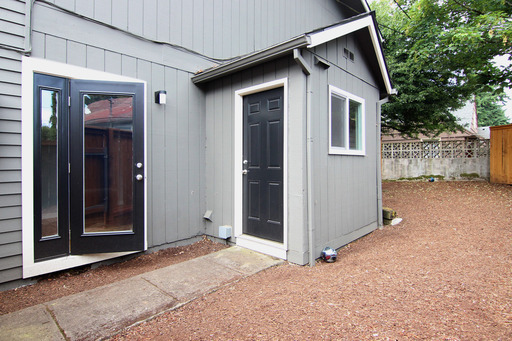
<point x="160" y="97"/>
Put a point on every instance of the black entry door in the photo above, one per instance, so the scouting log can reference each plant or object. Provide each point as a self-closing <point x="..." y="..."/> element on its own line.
<point x="263" y="165"/>
<point x="88" y="167"/>
<point x="107" y="170"/>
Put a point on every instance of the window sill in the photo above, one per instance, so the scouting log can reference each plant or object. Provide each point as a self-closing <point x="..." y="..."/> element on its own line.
<point x="339" y="151"/>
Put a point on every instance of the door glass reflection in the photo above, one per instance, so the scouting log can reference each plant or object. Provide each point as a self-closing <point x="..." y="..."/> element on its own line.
<point x="108" y="160"/>
<point x="49" y="108"/>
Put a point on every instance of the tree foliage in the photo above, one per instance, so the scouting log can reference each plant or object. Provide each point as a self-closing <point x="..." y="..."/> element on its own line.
<point x="440" y="54"/>
<point x="489" y="110"/>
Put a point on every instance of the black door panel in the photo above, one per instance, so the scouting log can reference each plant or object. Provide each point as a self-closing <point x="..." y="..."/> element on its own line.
<point x="107" y="143"/>
<point x="263" y="149"/>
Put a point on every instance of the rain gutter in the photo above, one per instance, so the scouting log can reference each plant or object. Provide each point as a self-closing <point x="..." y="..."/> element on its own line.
<point x="252" y="59"/>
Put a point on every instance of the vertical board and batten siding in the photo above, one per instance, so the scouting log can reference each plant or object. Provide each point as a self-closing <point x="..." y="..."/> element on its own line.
<point x="501" y="154"/>
<point x="344" y="186"/>
<point x="175" y="132"/>
<point x="215" y="28"/>
<point x="220" y="99"/>
<point x="12" y="31"/>
<point x="175" y="137"/>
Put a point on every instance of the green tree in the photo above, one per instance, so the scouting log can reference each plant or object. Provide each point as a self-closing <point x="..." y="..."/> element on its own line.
<point x="439" y="55"/>
<point x="49" y="133"/>
<point x="490" y="111"/>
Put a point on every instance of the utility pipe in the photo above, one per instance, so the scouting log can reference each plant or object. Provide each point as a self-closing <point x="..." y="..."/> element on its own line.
<point x="309" y="141"/>
<point x="29" y="6"/>
<point x="309" y="147"/>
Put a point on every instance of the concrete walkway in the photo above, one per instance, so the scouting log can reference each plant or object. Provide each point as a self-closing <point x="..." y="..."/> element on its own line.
<point x="106" y="310"/>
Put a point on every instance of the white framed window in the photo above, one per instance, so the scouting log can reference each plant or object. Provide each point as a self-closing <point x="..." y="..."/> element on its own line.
<point x="347" y="131"/>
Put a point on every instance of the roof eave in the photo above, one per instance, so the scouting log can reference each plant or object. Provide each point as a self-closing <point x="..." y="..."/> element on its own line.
<point x="252" y="59"/>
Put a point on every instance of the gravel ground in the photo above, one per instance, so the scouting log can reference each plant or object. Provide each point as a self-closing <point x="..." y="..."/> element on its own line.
<point x="444" y="273"/>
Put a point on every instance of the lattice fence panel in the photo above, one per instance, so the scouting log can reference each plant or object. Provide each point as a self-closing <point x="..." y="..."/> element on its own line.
<point x="435" y="149"/>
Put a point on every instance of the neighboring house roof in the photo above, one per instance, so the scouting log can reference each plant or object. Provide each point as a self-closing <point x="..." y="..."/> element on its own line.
<point x="104" y="111"/>
<point x="360" y="24"/>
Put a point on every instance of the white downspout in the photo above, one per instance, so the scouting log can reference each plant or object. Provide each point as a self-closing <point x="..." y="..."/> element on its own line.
<point x="380" y="221"/>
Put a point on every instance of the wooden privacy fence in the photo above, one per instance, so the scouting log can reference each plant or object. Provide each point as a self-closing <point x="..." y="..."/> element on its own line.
<point x="436" y="149"/>
<point x="501" y="154"/>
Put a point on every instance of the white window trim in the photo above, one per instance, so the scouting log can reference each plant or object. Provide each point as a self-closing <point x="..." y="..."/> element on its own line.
<point x="30" y="65"/>
<point x="340" y="150"/>
<point x="274" y="249"/>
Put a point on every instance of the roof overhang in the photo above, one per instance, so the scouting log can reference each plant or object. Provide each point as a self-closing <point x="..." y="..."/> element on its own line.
<point x="365" y="21"/>
<point x="252" y="59"/>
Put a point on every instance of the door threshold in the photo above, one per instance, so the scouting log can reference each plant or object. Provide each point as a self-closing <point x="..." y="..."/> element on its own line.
<point x="265" y="246"/>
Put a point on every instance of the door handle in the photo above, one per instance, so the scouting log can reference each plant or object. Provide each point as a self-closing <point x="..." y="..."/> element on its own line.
<point x="139" y="177"/>
<point x="245" y="171"/>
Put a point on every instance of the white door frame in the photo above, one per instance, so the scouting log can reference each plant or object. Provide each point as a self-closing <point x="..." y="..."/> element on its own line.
<point x="254" y="243"/>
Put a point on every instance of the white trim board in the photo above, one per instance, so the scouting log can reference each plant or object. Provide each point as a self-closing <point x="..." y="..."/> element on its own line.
<point x="29" y="66"/>
<point x="258" y="244"/>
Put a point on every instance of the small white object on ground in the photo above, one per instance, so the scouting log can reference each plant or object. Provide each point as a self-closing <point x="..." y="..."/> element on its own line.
<point x="396" y="221"/>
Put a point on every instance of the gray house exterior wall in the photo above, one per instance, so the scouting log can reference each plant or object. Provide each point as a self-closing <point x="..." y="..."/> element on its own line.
<point x="175" y="131"/>
<point x="345" y="186"/>
<point x="214" y="28"/>
<point x="220" y="166"/>
<point x="165" y="42"/>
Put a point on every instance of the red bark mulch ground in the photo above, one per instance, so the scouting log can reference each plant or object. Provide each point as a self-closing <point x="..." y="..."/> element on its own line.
<point x="444" y="273"/>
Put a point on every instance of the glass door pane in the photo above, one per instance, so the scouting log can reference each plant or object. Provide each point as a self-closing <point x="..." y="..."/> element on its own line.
<point x="108" y="163"/>
<point x="49" y="159"/>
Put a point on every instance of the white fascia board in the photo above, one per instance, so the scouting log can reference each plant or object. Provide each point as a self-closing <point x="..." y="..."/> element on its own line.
<point x="380" y="58"/>
<point x="341" y="30"/>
